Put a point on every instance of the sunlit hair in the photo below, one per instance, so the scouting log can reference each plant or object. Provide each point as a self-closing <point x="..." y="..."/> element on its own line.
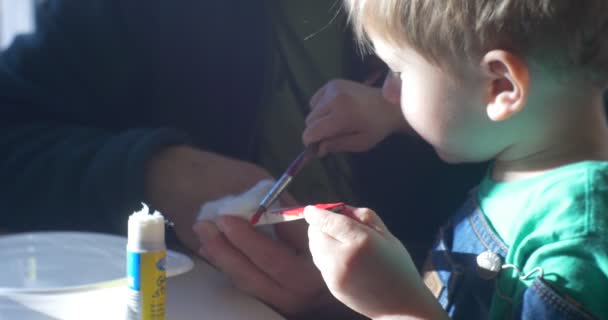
<point x="564" y="35"/>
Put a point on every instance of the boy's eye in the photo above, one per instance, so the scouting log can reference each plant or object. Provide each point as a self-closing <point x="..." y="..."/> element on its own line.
<point x="396" y="74"/>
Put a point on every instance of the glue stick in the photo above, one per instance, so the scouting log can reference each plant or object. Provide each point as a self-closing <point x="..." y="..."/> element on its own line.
<point x="146" y="265"/>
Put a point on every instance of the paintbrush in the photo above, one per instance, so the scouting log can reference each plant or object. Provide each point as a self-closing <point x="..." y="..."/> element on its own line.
<point x="277" y="189"/>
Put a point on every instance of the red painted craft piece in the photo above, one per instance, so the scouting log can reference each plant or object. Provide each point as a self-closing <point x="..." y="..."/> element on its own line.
<point x="339" y="207"/>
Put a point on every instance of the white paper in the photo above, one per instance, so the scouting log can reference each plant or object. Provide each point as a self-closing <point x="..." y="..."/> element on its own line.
<point x="243" y="205"/>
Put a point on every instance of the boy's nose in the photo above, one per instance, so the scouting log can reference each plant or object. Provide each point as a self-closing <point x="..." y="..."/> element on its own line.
<point x="391" y="89"/>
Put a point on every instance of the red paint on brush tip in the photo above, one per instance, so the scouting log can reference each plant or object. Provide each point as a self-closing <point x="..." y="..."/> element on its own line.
<point x="258" y="214"/>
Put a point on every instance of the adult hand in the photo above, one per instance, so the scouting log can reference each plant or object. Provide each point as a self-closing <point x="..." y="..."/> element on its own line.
<point x="351" y="117"/>
<point x="180" y="179"/>
<point x="366" y="267"/>
<point x="280" y="273"/>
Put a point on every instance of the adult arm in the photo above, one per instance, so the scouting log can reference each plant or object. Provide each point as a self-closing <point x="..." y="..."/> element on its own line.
<point x="62" y="176"/>
<point x="63" y="166"/>
<point x="79" y="117"/>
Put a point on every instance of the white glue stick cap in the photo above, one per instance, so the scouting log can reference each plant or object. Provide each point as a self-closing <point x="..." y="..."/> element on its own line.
<point x="146" y="232"/>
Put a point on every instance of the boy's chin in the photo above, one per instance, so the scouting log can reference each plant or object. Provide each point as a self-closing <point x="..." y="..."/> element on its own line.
<point x="451" y="158"/>
<point x="458" y="158"/>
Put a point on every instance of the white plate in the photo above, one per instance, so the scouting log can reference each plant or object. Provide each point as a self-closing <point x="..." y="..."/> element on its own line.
<point x="59" y="261"/>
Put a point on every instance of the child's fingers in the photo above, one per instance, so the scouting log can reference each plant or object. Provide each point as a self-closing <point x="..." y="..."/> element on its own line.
<point x="337" y="226"/>
<point x="322" y="246"/>
<point x="368" y="217"/>
<point x="316" y="114"/>
<point x="345" y="143"/>
<point x="320" y="242"/>
<point x="327" y="127"/>
<point x="314" y="101"/>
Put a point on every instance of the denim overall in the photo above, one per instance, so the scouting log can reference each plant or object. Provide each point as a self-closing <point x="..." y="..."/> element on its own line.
<point x="465" y="290"/>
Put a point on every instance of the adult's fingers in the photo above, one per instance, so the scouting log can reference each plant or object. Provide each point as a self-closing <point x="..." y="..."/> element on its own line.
<point x="337" y="226"/>
<point x="276" y="259"/>
<point x="294" y="234"/>
<point x="287" y="200"/>
<point x="243" y="273"/>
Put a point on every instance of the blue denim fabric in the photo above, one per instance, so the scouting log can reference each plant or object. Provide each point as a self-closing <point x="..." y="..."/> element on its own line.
<point x="465" y="293"/>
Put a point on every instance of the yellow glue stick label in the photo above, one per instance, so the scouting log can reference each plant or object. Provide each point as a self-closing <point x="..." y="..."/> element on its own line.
<point x="146" y="275"/>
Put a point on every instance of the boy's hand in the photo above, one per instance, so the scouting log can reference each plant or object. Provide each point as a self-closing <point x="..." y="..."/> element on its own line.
<point x="351" y="117"/>
<point x="366" y="267"/>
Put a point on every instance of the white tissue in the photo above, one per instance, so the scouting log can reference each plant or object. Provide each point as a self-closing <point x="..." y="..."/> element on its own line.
<point x="243" y="205"/>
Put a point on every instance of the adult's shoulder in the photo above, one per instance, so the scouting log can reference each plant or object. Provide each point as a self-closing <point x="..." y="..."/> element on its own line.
<point x="117" y="55"/>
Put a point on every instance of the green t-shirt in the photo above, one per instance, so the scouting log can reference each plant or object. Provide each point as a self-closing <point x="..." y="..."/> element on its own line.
<point x="313" y="47"/>
<point x="557" y="221"/>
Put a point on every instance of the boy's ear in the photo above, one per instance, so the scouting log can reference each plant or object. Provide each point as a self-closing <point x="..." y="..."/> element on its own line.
<point x="508" y="85"/>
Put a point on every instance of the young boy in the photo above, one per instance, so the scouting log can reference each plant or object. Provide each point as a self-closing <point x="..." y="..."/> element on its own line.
<point x="519" y="82"/>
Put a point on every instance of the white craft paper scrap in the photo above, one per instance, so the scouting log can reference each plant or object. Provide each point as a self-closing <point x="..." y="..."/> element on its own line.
<point x="243" y="205"/>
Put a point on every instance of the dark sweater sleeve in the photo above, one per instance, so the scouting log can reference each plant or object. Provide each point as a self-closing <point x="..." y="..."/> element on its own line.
<point x="59" y="176"/>
<point x="70" y="156"/>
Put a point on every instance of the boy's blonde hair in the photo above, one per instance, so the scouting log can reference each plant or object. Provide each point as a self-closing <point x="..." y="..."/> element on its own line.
<point x="563" y="35"/>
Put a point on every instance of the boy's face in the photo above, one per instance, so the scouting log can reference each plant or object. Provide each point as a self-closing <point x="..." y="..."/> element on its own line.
<point x="448" y="112"/>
